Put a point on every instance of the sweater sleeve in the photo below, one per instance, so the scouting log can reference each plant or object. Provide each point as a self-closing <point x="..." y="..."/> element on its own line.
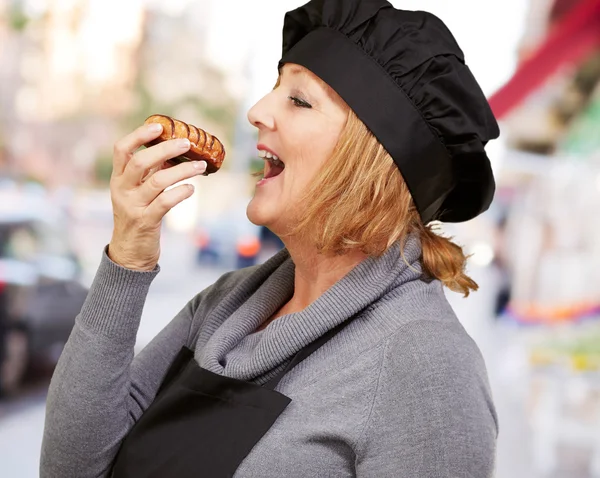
<point x="98" y="389"/>
<point x="432" y="415"/>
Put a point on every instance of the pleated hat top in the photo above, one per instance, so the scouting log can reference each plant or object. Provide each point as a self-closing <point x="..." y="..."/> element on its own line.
<point x="404" y="75"/>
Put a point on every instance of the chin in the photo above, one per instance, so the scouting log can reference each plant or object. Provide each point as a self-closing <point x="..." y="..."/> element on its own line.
<point x="258" y="214"/>
<point x="267" y="215"/>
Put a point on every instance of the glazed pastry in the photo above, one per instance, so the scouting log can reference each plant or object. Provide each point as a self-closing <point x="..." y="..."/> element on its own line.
<point x="205" y="147"/>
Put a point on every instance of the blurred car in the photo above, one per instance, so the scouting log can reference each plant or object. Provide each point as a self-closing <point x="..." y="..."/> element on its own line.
<point x="228" y="241"/>
<point x="40" y="295"/>
<point x="231" y="241"/>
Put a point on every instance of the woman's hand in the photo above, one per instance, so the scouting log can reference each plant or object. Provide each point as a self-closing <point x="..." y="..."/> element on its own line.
<point x="138" y="195"/>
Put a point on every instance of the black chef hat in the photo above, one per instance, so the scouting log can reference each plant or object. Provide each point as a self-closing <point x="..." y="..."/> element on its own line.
<point x="404" y="76"/>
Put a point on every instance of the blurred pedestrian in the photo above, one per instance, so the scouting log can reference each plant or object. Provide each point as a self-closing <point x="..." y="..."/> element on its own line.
<point x="339" y="356"/>
<point x="3" y="330"/>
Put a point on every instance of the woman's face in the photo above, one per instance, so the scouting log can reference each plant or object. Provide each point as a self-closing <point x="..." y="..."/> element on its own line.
<point x="299" y="122"/>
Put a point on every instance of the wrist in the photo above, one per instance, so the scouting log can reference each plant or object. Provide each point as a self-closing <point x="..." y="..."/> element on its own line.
<point x="120" y="259"/>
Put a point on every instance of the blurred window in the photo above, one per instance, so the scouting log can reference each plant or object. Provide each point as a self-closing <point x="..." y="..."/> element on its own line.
<point x="53" y="240"/>
<point x="26" y="241"/>
<point x="18" y="241"/>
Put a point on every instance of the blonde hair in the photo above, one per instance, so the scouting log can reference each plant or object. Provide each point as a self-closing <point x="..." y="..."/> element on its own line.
<point x="359" y="201"/>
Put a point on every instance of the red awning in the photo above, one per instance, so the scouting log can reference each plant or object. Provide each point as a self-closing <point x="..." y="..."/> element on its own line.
<point x="561" y="8"/>
<point x="571" y="40"/>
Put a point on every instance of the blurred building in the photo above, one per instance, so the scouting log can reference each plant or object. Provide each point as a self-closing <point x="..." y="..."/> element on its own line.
<point x="549" y="191"/>
<point x="550" y="184"/>
<point x="176" y="78"/>
<point x="63" y="79"/>
<point x="76" y="76"/>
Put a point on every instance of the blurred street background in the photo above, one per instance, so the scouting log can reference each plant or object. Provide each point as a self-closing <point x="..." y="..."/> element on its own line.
<point x="77" y="75"/>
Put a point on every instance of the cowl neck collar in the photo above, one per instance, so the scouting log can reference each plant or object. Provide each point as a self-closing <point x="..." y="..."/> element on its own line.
<point x="261" y="294"/>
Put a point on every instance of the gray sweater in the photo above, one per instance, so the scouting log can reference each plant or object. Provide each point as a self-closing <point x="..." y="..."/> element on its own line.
<point x="401" y="392"/>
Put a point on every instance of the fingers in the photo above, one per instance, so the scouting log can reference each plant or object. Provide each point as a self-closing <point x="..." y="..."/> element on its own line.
<point x="166" y="201"/>
<point x="161" y="180"/>
<point x="152" y="158"/>
<point x="125" y="147"/>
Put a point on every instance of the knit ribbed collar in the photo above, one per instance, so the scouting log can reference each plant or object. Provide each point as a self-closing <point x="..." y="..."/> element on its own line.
<point x="261" y="294"/>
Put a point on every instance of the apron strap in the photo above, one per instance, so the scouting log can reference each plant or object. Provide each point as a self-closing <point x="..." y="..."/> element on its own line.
<point x="305" y="352"/>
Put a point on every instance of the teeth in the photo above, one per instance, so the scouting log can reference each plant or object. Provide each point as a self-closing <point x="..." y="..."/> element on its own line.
<point x="267" y="155"/>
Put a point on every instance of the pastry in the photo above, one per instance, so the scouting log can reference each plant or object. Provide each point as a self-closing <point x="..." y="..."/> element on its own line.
<point x="205" y="147"/>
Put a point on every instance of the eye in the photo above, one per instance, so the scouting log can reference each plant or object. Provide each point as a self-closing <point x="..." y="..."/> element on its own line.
<point x="300" y="103"/>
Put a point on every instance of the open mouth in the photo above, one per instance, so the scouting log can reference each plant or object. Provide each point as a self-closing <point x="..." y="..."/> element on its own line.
<point x="273" y="165"/>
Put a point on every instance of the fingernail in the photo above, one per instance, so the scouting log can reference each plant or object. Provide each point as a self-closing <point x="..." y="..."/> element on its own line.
<point x="184" y="143"/>
<point x="200" y="165"/>
<point x="155" y="127"/>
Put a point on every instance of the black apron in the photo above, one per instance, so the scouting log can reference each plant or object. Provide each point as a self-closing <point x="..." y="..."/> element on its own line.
<point x="202" y="424"/>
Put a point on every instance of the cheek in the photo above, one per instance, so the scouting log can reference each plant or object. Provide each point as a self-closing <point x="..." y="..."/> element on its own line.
<point x="313" y="145"/>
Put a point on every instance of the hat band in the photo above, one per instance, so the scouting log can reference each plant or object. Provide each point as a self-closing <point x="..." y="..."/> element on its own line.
<point x="385" y="109"/>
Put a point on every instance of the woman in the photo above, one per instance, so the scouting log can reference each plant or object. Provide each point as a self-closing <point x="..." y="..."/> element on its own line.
<point x="339" y="356"/>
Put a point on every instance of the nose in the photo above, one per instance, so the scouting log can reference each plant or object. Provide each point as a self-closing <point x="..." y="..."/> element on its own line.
<point x="261" y="114"/>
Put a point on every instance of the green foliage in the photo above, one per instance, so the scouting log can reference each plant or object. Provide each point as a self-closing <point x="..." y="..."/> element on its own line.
<point x="103" y="168"/>
<point x="17" y="19"/>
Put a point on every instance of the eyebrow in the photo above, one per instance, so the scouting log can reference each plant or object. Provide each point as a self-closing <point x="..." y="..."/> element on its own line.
<point x="296" y="70"/>
<point x="292" y="70"/>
